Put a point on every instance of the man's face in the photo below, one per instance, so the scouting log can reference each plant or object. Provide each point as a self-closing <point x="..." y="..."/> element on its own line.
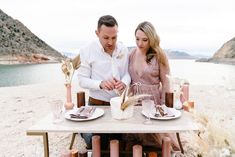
<point x="108" y="37"/>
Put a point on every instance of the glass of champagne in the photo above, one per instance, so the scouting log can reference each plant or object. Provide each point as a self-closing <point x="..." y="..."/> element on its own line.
<point x="147" y="107"/>
<point x="56" y="108"/>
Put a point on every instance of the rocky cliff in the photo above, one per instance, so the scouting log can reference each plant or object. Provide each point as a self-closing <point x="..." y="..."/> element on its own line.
<point x="19" y="45"/>
<point x="226" y="54"/>
<point x="227" y="50"/>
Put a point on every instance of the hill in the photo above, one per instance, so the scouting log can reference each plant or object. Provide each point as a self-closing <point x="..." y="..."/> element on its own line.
<point x="19" y="45"/>
<point x="178" y="55"/>
<point x="225" y="55"/>
<point x="172" y="54"/>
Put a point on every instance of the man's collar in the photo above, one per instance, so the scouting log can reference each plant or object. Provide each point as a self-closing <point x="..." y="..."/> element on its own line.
<point x="115" y="52"/>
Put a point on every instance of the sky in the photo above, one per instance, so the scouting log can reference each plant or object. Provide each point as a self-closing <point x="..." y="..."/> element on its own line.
<point x="192" y="26"/>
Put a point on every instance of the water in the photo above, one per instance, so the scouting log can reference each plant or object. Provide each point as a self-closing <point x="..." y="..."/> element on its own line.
<point x="196" y="73"/>
<point x="14" y="75"/>
<point x="203" y="73"/>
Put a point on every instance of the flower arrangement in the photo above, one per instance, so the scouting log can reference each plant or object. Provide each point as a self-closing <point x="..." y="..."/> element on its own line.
<point x="129" y="99"/>
<point x="68" y="67"/>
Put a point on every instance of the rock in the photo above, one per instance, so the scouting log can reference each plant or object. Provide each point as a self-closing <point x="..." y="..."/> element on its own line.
<point x="226" y="51"/>
<point x="20" y="45"/>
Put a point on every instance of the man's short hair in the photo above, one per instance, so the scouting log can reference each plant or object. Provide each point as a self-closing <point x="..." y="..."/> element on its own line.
<point x="107" y="20"/>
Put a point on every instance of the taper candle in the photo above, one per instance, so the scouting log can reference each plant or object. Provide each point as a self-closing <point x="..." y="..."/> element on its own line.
<point x="169" y="99"/>
<point x="152" y="154"/>
<point x="74" y="152"/>
<point x="66" y="153"/>
<point x="80" y="99"/>
<point x="137" y="151"/>
<point x="166" y="147"/>
<point x="185" y="91"/>
<point x="114" y="148"/>
<point x="96" y="149"/>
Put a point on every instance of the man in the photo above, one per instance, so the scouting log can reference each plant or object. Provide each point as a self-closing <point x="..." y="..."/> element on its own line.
<point x="104" y="64"/>
<point x="104" y="68"/>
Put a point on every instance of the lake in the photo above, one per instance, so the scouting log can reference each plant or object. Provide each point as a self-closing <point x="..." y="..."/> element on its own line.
<point x="197" y="73"/>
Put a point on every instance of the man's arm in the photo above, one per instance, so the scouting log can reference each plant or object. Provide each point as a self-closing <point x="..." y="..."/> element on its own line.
<point x="84" y="74"/>
<point x="126" y="79"/>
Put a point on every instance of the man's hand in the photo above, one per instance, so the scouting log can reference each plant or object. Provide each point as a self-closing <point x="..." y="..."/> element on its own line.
<point x="112" y="84"/>
<point x="108" y="84"/>
<point x="119" y="85"/>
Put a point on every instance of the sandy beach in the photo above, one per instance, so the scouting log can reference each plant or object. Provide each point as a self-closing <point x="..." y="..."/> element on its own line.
<point x="23" y="106"/>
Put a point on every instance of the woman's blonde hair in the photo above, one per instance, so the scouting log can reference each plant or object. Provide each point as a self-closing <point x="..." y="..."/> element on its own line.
<point x="154" y="41"/>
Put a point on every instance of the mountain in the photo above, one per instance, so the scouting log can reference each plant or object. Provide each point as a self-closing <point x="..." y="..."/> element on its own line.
<point x="19" y="45"/>
<point x="225" y="55"/>
<point x="171" y="54"/>
<point x="226" y="51"/>
<point x="178" y="55"/>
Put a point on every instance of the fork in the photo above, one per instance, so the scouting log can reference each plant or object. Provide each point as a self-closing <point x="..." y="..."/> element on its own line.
<point x="85" y="115"/>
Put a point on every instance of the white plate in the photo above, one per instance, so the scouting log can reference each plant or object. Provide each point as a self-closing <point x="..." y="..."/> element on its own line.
<point x="97" y="113"/>
<point x="173" y="110"/>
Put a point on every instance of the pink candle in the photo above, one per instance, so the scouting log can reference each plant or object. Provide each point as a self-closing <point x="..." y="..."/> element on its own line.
<point x="96" y="151"/>
<point x="137" y="151"/>
<point x="82" y="155"/>
<point x="114" y="148"/>
<point x="74" y="152"/>
<point x="185" y="90"/>
<point x="66" y="153"/>
<point x="152" y="154"/>
<point x="166" y="147"/>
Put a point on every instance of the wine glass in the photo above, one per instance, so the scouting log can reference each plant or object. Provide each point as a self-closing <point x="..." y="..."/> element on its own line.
<point x="147" y="107"/>
<point x="56" y="108"/>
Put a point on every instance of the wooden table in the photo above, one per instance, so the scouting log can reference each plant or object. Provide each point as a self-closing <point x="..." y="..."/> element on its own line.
<point x="106" y="124"/>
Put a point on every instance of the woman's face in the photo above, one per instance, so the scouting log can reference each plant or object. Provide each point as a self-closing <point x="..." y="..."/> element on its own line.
<point x="142" y="41"/>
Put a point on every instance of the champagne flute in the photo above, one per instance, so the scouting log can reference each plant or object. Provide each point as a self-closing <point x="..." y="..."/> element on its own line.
<point x="56" y="108"/>
<point x="147" y="107"/>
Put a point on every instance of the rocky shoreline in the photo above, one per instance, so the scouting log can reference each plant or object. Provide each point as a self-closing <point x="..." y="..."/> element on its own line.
<point x="230" y="61"/>
<point x="27" y="59"/>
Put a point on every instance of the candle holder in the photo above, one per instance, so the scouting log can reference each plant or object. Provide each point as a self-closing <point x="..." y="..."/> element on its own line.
<point x="169" y="99"/>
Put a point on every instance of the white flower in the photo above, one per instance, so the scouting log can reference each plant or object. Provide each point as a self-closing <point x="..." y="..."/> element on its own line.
<point x="120" y="55"/>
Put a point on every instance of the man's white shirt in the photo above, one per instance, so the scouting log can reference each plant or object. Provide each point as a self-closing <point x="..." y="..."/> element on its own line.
<point x="97" y="65"/>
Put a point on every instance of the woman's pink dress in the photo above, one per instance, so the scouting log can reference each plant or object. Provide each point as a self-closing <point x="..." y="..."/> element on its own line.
<point x="152" y="81"/>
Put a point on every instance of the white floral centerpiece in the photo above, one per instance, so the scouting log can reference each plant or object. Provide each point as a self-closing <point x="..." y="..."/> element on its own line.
<point x="122" y="107"/>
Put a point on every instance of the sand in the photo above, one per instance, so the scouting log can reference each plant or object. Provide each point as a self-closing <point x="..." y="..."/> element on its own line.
<point x="23" y="106"/>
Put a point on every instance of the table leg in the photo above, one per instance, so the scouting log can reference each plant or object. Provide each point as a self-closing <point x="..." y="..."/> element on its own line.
<point x="180" y="144"/>
<point x="45" y="140"/>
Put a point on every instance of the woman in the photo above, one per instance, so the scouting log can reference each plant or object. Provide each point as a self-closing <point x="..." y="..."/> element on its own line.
<point x="148" y="67"/>
<point x="148" y="64"/>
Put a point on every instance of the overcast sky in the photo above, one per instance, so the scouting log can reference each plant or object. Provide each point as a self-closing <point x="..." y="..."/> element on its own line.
<point x="193" y="26"/>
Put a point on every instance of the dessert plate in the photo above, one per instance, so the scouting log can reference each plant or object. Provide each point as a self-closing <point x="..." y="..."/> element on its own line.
<point x="96" y="114"/>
